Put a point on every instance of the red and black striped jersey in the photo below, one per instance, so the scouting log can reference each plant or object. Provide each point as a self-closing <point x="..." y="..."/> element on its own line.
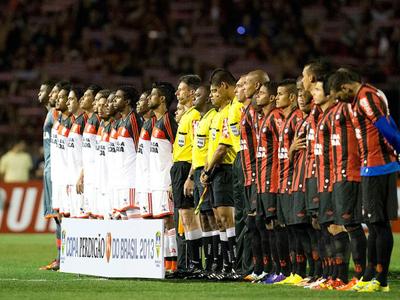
<point x="299" y="159"/>
<point x="323" y="152"/>
<point x="267" y="152"/>
<point x="369" y="105"/>
<point x="312" y="121"/>
<point x="286" y="135"/>
<point x="345" y="151"/>
<point x="248" y="144"/>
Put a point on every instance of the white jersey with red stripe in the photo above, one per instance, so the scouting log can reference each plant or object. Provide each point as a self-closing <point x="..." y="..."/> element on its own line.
<point x="74" y="149"/>
<point x="89" y="149"/>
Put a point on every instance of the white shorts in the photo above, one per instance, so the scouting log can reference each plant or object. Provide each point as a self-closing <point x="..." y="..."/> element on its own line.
<point x="102" y="205"/>
<point x="65" y="201"/>
<point x="161" y="203"/>
<point x="77" y="204"/>
<point x="145" y="204"/>
<point x="125" y="198"/>
<point x="89" y="196"/>
<point x="56" y="196"/>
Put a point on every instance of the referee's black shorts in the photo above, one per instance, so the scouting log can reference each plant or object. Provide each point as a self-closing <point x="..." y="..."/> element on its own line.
<point x="198" y="191"/>
<point x="179" y="173"/>
<point x="222" y="186"/>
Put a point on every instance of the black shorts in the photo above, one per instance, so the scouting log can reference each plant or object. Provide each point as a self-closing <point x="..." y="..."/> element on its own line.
<point x="266" y="205"/>
<point x="179" y="173"/>
<point x="326" y="213"/>
<point x="347" y="204"/>
<point x="379" y="197"/>
<point x="198" y="191"/>
<point x="222" y="186"/>
<point x="250" y="195"/>
<point x="299" y="212"/>
<point x="284" y="208"/>
<point x="312" y="197"/>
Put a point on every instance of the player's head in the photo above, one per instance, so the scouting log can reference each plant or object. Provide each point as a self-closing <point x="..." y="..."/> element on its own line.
<point x="222" y="86"/>
<point x="304" y="98"/>
<point x="99" y="94"/>
<point x="286" y="94"/>
<point x="267" y="93"/>
<point x="180" y="110"/>
<point x="44" y="92"/>
<point x="253" y="82"/>
<point x="102" y="106"/>
<point x="163" y="93"/>
<point x="202" y="97"/>
<point x="239" y="89"/>
<point x="88" y="100"/>
<point x="321" y="90"/>
<point x="55" y="90"/>
<point x="125" y="95"/>
<point x="313" y="70"/>
<point x="62" y="97"/>
<point x="74" y="97"/>
<point x="343" y="84"/>
<point x="142" y="106"/>
<point x="110" y="105"/>
<point x="186" y="87"/>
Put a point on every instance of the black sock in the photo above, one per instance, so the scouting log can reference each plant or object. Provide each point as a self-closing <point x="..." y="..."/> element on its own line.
<point x="274" y="253"/>
<point x="226" y="256"/>
<point x="58" y="237"/>
<point x="342" y="255"/>
<point x="208" y="251"/>
<point x="232" y="249"/>
<point x="255" y="245"/>
<point x="194" y="252"/>
<point x="371" y="254"/>
<point x="217" y="251"/>
<point x="292" y="248"/>
<point x="283" y="249"/>
<point x="358" y="246"/>
<point x="303" y="250"/>
<point x="384" y="247"/>
<point x="315" y="252"/>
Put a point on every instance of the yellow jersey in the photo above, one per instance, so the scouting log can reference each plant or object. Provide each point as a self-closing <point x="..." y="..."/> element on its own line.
<point x="201" y="136"/>
<point x="234" y="117"/>
<point x="182" y="149"/>
<point x="220" y="134"/>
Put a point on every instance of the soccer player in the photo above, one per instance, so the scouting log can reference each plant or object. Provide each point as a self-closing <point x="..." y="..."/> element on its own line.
<point x="286" y="100"/>
<point x="248" y="141"/>
<point x="180" y="110"/>
<point x="142" y="107"/>
<point x="218" y="170"/>
<point x="86" y="181"/>
<point x="74" y="152"/>
<point x="161" y="160"/>
<point x="376" y="133"/>
<point x="44" y="97"/>
<point x="66" y="121"/>
<point x="267" y="169"/>
<point x="125" y="101"/>
<point x="326" y="212"/>
<point x="181" y="173"/>
<point x="300" y="220"/>
<point x="243" y="246"/>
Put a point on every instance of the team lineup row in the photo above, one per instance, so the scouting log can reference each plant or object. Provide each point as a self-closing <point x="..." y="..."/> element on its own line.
<point x="297" y="161"/>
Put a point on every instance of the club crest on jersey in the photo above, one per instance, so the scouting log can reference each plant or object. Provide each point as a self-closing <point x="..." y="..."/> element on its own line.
<point x="181" y="140"/>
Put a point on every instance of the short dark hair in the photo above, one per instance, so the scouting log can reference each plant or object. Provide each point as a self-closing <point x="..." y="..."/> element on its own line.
<point x="290" y="85"/>
<point x="319" y="67"/>
<point x="63" y="85"/>
<point x="48" y="83"/>
<point x="192" y="80"/>
<point x="130" y="94"/>
<point x="221" y="75"/>
<point x="271" y="87"/>
<point x="167" y="90"/>
<point x="94" y="88"/>
<point x="105" y="93"/>
<point x="78" y="90"/>
<point x="340" y="77"/>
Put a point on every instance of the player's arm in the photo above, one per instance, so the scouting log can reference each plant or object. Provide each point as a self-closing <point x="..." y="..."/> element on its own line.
<point x="79" y="183"/>
<point x="297" y="144"/>
<point x="388" y="129"/>
<point x="188" y="187"/>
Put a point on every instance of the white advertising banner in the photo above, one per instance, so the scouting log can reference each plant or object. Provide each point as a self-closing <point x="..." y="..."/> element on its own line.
<point x="114" y="249"/>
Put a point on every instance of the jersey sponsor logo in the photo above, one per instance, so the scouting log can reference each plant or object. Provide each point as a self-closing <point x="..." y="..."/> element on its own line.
<point x="120" y="146"/>
<point x="46" y="135"/>
<point x="213" y="134"/>
<point x="201" y="142"/>
<point x="335" y="139"/>
<point x="225" y="128"/>
<point x="243" y="145"/>
<point x="154" y="147"/>
<point x="86" y="143"/>
<point x="311" y="135"/>
<point x="235" y="129"/>
<point x="283" y="153"/>
<point x="365" y="105"/>
<point x="261" y="152"/>
<point x="181" y="140"/>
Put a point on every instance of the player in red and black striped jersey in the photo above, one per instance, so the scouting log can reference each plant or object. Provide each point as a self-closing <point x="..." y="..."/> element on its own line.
<point x="378" y="139"/>
<point x="267" y="172"/>
<point x="286" y="100"/>
<point x="298" y="155"/>
<point x="248" y="144"/>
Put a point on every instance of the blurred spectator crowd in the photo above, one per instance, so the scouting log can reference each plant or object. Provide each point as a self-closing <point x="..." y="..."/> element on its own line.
<point x="111" y="42"/>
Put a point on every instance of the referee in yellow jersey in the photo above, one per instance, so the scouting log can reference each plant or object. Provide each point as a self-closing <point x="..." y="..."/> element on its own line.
<point x="181" y="177"/>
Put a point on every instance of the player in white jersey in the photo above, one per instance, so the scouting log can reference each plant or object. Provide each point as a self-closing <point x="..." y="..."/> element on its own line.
<point x="129" y="126"/>
<point x="85" y="184"/>
<point x="74" y="153"/>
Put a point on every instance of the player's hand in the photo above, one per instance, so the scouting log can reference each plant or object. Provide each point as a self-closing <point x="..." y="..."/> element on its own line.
<point x="79" y="186"/>
<point x="315" y="224"/>
<point x="188" y="188"/>
<point x="170" y="196"/>
<point x="204" y="178"/>
<point x="298" y="143"/>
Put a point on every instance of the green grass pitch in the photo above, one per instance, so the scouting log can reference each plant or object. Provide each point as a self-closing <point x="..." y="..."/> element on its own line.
<point x="21" y="255"/>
